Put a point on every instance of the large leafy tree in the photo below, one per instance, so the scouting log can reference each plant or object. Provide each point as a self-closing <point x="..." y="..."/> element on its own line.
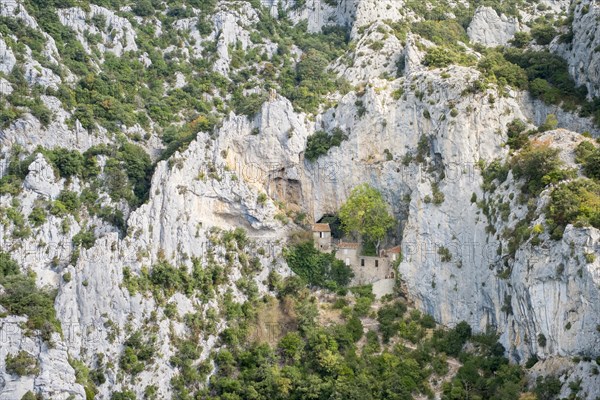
<point x="366" y="213"/>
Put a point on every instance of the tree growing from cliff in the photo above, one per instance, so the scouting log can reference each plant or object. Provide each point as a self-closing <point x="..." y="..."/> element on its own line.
<point x="366" y="214"/>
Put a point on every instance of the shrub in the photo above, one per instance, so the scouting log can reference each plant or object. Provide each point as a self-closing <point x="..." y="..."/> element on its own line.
<point x="576" y="202"/>
<point x="539" y="165"/>
<point x="549" y="124"/>
<point x="320" y="143"/>
<point x="444" y="252"/>
<point x="67" y="162"/>
<point x="137" y="353"/>
<point x="521" y="39"/>
<point x="8" y="266"/>
<point x="503" y="71"/>
<point x="124" y="395"/>
<point x="84" y="238"/>
<point x="543" y="33"/>
<point x="70" y="201"/>
<point x="439" y="57"/>
<point x="547" y="387"/>
<point x="22" y="364"/>
<point x="541" y="338"/>
<point x="317" y="268"/>
<point x="248" y="105"/>
<point x="22" y="297"/>
<point x="138" y="167"/>
<point x="388" y="316"/>
<point x="37" y="217"/>
<point x="589" y="156"/>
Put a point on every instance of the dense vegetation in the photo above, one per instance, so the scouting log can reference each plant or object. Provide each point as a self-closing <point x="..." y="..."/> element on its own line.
<point x="21" y="296"/>
<point x="317" y="268"/>
<point x="366" y="214"/>
<point x="320" y="142"/>
<point x="403" y="353"/>
<point x="578" y="201"/>
<point x="332" y="361"/>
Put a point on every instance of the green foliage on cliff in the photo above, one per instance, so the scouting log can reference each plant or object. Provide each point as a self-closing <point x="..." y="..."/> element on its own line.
<point x="22" y="364"/>
<point x="365" y="213"/>
<point x="21" y="296"/>
<point x="576" y="202"/>
<point x="320" y="142"/>
<point x="317" y="268"/>
<point x="539" y="165"/>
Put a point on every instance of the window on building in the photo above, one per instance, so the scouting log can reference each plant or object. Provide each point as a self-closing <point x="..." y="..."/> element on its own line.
<point x="347" y="262"/>
<point x="376" y="263"/>
<point x="362" y="262"/>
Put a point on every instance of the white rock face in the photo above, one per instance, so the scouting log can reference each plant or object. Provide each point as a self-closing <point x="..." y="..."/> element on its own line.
<point x="7" y="58"/>
<point x="369" y="11"/>
<point x="373" y="57"/>
<point x="56" y="379"/>
<point x="38" y="75"/>
<point x="490" y="29"/>
<point x="229" y="25"/>
<point x="217" y="180"/>
<point x="41" y="178"/>
<point x="5" y="87"/>
<point x="583" y="53"/>
<point x="117" y="35"/>
<point x="14" y="9"/>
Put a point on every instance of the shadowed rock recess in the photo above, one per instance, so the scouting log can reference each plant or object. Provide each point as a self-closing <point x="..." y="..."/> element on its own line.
<point x="191" y="191"/>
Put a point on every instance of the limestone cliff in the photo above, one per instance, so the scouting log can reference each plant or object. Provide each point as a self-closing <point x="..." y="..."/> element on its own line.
<point x="414" y="131"/>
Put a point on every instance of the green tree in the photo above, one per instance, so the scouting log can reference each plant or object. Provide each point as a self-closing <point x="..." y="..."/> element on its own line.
<point x="366" y="213"/>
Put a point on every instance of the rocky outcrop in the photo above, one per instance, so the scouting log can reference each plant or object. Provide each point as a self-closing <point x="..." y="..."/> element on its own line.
<point x="490" y="29"/>
<point x="409" y="130"/>
<point x="117" y="34"/>
<point x="7" y="58"/>
<point x="378" y="54"/>
<point x="582" y="48"/>
<point x="56" y="378"/>
<point x="231" y="30"/>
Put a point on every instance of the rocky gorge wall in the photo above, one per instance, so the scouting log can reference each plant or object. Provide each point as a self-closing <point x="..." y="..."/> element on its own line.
<point x="432" y="135"/>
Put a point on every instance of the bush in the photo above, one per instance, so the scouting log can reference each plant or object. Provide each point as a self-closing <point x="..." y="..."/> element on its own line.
<point x="541" y="340"/>
<point x="440" y="57"/>
<point x="549" y="124"/>
<point x="576" y="202"/>
<point x="539" y="165"/>
<point x="67" y="162"/>
<point x="22" y="364"/>
<point x="547" y="387"/>
<point x="517" y="137"/>
<point x="8" y="266"/>
<point x="521" y="39"/>
<point x="503" y="71"/>
<point x="320" y="143"/>
<point x="589" y="156"/>
<point x="317" y="268"/>
<point x="138" y="352"/>
<point x="388" y="317"/>
<point x="37" y="217"/>
<point x="84" y="238"/>
<point x="138" y="167"/>
<point x="143" y="8"/>
<point x="22" y="297"/>
<point x="543" y="33"/>
<point x="452" y="341"/>
<point x="70" y="201"/>
<point x="248" y="105"/>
